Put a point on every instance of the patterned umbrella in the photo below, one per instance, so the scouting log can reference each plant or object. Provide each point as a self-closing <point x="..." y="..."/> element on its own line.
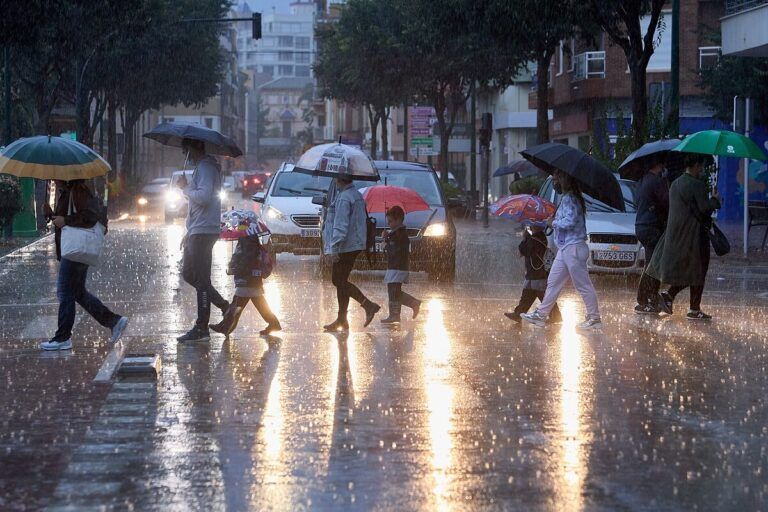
<point x="337" y="160"/>
<point x="380" y="198"/>
<point x="52" y="158"/>
<point x="524" y="208"/>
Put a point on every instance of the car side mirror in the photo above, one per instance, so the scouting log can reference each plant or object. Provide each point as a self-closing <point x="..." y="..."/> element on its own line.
<point x="258" y="197"/>
<point x="318" y="200"/>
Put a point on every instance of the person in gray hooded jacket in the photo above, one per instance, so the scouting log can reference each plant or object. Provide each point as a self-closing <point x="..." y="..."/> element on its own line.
<point x="346" y="233"/>
<point x="203" y="227"/>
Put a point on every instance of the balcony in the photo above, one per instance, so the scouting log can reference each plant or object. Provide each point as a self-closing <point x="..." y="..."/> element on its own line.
<point x="588" y="65"/>
<point x="743" y="28"/>
<point x="735" y="6"/>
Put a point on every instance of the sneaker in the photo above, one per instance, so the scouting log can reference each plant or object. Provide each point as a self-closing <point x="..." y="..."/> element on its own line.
<point x="665" y="303"/>
<point x="535" y="318"/>
<point x="590" y="324"/>
<point x="56" y="345"/>
<point x="371" y="308"/>
<point x="337" y="326"/>
<point x="118" y="329"/>
<point x="269" y="329"/>
<point x="514" y="317"/>
<point x="194" y="335"/>
<point x="646" y="309"/>
<point x="390" y="320"/>
<point x="697" y="314"/>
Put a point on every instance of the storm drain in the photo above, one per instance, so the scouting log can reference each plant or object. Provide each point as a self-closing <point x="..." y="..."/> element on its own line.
<point x="114" y="452"/>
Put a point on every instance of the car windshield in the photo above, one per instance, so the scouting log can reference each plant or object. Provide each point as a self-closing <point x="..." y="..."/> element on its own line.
<point x="423" y="182"/>
<point x="628" y="190"/>
<point x="296" y="184"/>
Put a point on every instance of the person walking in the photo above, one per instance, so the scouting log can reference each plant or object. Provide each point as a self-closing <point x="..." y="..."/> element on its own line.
<point x="650" y="223"/>
<point x="398" y="248"/>
<point x="682" y="255"/>
<point x="346" y="236"/>
<point x="533" y="249"/>
<point x="77" y="207"/>
<point x="572" y="255"/>
<point x="203" y="226"/>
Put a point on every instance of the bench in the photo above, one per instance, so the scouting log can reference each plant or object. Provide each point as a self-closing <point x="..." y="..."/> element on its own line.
<point x="758" y="216"/>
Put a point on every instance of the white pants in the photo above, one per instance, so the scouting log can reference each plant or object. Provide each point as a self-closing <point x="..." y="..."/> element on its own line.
<point x="570" y="262"/>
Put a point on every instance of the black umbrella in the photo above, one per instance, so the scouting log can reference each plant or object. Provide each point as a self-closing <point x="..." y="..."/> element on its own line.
<point x="172" y="134"/>
<point x="523" y="168"/>
<point x="595" y="179"/>
<point x="640" y="160"/>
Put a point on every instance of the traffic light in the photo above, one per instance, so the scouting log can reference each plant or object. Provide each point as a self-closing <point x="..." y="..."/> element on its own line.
<point x="256" y="27"/>
<point x="486" y="129"/>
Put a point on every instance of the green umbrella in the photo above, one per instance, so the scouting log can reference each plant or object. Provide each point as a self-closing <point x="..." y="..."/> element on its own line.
<point x="51" y="158"/>
<point x="723" y="143"/>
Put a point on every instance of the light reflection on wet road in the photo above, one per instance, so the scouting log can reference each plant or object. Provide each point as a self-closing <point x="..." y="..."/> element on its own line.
<point x="457" y="410"/>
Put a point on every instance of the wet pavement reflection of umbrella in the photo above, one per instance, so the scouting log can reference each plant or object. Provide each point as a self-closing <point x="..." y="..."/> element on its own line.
<point x="524" y="168"/>
<point x="524" y="208"/>
<point x="52" y="158"/>
<point x="640" y="160"/>
<point x="336" y="160"/>
<point x="594" y="178"/>
<point x="380" y="198"/>
<point x="172" y="134"/>
<point x="721" y="143"/>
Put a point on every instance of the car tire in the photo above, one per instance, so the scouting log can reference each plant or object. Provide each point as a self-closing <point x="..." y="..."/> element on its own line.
<point x="444" y="271"/>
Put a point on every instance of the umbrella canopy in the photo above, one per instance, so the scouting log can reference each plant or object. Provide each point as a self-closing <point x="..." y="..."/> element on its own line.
<point x="52" y="158"/>
<point x="595" y="179"/>
<point x="722" y="143"/>
<point x="381" y="198"/>
<point x="172" y="134"/>
<point x="522" y="167"/>
<point x="640" y="160"/>
<point x="335" y="160"/>
<point x="524" y="208"/>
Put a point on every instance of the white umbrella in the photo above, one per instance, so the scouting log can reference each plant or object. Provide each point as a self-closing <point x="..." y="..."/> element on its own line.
<point x="337" y="160"/>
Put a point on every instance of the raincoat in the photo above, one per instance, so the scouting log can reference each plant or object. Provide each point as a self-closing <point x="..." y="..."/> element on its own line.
<point x="344" y="226"/>
<point x="682" y="256"/>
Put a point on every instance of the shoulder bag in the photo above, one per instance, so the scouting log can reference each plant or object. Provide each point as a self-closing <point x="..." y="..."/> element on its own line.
<point x="717" y="238"/>
<point x="83" y="245"/>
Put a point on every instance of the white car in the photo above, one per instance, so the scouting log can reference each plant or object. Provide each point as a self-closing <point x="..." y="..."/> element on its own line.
<point x="175" y="203"/>
<point x="286" y="208"/>
<point x="613" y="245"/>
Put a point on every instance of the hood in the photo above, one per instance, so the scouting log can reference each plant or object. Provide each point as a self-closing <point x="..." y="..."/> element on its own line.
<point x="294" y="205"/>
<point x="608" y="222"/>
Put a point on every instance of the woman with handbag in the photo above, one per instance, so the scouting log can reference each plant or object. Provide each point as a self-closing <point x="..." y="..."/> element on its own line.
<point x="681" y="259"/>
<point x="77" y="207"/>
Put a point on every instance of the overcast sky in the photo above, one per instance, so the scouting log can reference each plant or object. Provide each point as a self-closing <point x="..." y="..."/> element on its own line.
<point x="266" y="5"/>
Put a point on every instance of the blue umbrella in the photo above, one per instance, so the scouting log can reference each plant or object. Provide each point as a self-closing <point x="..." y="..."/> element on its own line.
<point x="635" y="165"/>
<point x="172" y="134"/>
<point x="522" y="167"/>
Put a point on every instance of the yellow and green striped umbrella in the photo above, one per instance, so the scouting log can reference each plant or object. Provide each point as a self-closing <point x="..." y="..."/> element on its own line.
<point x="52" y="158"/>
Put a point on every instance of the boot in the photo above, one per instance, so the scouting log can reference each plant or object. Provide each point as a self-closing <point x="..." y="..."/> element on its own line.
<point x="394" y="314"/>
<point x="337" y="325"/>
<point x="371" y="308"/>
<point x="229" y="322"/>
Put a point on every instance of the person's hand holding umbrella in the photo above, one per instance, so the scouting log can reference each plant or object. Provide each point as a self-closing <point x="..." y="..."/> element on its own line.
<point x="182" y="182"/>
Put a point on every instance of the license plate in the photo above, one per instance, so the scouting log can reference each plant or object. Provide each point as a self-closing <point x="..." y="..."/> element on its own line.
<point x="310" y="233"/>
<point x="613" y="256"/>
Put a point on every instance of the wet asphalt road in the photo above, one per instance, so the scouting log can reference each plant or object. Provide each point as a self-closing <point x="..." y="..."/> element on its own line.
<point x="460" y="409"/>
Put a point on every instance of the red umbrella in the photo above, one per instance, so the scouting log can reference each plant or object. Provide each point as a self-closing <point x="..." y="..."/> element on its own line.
<point x="381" y="198"/>
<point x="524" y="208"/>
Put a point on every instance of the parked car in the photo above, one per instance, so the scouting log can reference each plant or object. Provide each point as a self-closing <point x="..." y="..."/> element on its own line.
<point x="613" y="245"/>
<point x="432" y="233"/>
<point x="286" y="208"/>
<point x="175" y="202"/>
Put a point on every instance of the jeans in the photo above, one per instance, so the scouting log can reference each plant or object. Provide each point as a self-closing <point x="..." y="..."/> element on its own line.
<point x="527" y="299"/>
<point x="571" y="264"/>
<point x="344" y="289"/>
<point x="70" y="289"/>
<point x="648" y="288"/>
<point x="196" y="270"/>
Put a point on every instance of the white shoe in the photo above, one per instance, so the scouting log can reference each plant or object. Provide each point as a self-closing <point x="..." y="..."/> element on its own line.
<point x="535" y="318"/>
<point x="590" y="324"/>
<point x="118" y="329"/>
<point x="56" y="345"/>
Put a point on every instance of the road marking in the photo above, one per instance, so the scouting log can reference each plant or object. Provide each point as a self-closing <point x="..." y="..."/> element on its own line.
<point x="111" y="363"/>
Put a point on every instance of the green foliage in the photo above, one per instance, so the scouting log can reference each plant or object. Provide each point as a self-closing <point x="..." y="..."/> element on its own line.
<point x="528" y="185"/>
<point x="736" y="76"/>
<point x="10" y="199"/>
<point x="450" y="190"/>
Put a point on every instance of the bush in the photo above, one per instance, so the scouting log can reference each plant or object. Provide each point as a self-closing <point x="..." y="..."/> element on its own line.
<point x="529" y="185"/>
<point x="10" y="200"/>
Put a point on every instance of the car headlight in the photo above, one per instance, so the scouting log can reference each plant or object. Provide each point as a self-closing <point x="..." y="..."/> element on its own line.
<point x="172" y="196"/>
<point x="275" y="214"/>
<point x="222" y="195"/>
<point x="436" y="229"/>
<point x="142" y="201"/>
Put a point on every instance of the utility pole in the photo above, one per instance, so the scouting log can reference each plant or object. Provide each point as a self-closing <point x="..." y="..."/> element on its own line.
<point x="405" y="130"/>
<point x="746" y="178"/>
<point x="486" y="131"/>
<point x="473" y="150"/>
<point x="674" y="113"/>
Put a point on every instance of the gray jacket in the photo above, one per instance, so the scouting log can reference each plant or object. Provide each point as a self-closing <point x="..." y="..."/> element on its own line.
<point x="204" y="215"/>
<point x="345" y="222"/>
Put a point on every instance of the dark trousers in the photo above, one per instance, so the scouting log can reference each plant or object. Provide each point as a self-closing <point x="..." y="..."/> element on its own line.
<point x="697" y="291"/>
<point x="261" y="306"/>
<point x="70" y="289"/>
<point x="340" y="279"/>
<point x="397" y="296"/>
<point x="196" y="270"/>
<point x="648" y="288"/>
<point x="527" y="299"/>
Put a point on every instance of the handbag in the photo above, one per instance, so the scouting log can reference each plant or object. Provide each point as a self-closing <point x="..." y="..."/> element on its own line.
<point x="547" y="259"/>
<point x="83" y="245"/>
<point x="717" y="238"/>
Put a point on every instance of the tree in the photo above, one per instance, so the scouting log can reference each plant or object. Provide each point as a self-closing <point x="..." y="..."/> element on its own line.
<point x="620" y="19"/>
<point x="736" y="76"/>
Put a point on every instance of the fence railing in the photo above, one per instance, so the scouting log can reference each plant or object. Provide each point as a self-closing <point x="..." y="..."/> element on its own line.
<point x="734" y="6"/>
<point x="588" y="65"/>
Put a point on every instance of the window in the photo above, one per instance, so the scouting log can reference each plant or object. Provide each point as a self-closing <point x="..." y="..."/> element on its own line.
<point x="660" y="94"/>
<point x="709" y="56"/>
<point x="285" y="70"/>
<point x="560" y="59"/>
<point x="285" y="41"/>
<point x="302" y="70"/>
<point x="283" y="56"/>
<point x="169" y="119"/>
<point x="286" y="99"/>
<point x="302" y="43"/>
<point x="302" y="58"/>
<point x="268" y="42"/>
<point x="208" y="122"/>
<point x="321" y="121"/>
<point x="661" y="60"/>
<point x="270" y="70"/>
<point x="286" y="129"/>
<point x="572" y="55"/>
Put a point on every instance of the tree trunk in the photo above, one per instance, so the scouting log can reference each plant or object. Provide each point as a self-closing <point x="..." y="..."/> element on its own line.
<point x="443" y="129"/>
<point x="542" y="97"/>
<point x="384" y="115"/>
<point x="112" y="137"/>
<point x="639" y="102"/>
<point x="373" y="118"/>
<point x="127" y="163"/>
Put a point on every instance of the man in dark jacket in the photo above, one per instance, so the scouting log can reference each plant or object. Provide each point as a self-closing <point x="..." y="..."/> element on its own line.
<point x="77" y="207"/>
<point x="650" y="222"/>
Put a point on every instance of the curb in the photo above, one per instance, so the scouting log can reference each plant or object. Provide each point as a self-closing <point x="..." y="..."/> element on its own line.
<point x="27" y="246"/>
